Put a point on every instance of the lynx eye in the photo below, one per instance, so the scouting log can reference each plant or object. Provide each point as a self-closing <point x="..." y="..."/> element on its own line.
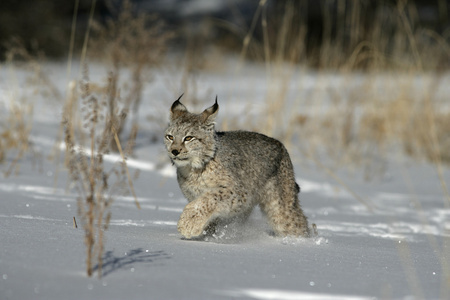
<point x="188" y="138"/>
<point x="169" y="137"/>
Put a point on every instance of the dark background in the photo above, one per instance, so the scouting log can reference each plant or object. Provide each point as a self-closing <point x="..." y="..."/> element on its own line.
<point x="45" y="25"/>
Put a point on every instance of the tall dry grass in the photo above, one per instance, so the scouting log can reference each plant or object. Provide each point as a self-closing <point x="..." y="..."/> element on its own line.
<point x="130" y="42"/>
<point x="17" y="123"/>
<point x="392" y="94"/>
<point x="95" y="183"/>
<point x="391" y="74"/>
<point x="130" y="47"/>
<point x="94" y="114"/>
<point x="15" y="136"/>
<point x="389" y="97"/>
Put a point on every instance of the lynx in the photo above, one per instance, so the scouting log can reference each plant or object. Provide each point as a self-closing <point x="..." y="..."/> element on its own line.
<point x="224" y="175"/>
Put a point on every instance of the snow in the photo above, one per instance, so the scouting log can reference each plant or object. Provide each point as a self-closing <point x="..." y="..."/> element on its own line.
<point x="287" y="295"/>
<point x="399" y="250"/>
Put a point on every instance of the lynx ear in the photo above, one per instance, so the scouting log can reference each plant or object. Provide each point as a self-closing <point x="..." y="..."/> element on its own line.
<point x="209" y="114"/>
<point x="177" y="108"/>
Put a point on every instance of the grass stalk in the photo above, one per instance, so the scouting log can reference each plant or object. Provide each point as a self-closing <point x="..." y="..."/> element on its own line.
<point x="88" y="30"/>
<point x="130" y="182"/>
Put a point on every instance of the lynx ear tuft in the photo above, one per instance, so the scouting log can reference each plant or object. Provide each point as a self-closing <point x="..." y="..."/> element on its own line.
<point x="177" y="108"/>
<point x="209" y="114"/>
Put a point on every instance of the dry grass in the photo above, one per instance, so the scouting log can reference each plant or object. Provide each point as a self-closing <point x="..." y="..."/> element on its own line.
<point x="16" y="126"/>
<point x="122" y="46"/>
<point x="378" y="105"/>
<point x="14" y="135"/>
<point x="88" y="174"/>
<point x="390" y="97"/>
<point x="387" y="98"/>
<point x="130" y="42"/>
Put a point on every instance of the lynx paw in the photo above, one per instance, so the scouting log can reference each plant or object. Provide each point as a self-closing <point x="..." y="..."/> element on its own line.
<point x="192" y="223"/>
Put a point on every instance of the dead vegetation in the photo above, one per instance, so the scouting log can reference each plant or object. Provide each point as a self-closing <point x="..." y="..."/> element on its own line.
<point x="133" y="43"/>
<point x="90" y="178"/>
<point x="390" y="73"/>
<point x="16" y="125"/>
<point x="398" y="65"/>
<point x="14" y="136"/>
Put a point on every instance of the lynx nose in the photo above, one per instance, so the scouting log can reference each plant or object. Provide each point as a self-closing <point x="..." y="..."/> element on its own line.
<point x="175" y="152"/>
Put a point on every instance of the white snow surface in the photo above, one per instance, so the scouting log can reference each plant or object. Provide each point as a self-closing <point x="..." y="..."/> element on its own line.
<point x="399" y="250"/>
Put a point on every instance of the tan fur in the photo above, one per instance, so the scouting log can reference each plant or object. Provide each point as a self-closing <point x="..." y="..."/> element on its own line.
<point x="224" y="175"/>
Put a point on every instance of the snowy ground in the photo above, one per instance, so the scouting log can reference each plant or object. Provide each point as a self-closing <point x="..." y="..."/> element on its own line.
<point x="400" y="249"/>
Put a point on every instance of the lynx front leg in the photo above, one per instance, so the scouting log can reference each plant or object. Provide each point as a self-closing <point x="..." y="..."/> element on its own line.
<point x="219" y="204"/>
<point x="196" y="216"/>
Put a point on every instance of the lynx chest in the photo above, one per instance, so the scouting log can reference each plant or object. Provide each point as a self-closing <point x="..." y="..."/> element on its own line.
<point x="195" y="182"/>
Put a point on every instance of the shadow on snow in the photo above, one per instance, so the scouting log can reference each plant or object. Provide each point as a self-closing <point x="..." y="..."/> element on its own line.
<point x="112" y="263"/>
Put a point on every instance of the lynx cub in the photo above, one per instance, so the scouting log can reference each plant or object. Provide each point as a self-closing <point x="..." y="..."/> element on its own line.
<point x="225" y="174"/>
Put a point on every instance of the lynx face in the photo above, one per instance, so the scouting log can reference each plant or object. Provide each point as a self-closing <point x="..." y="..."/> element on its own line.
<point x="190" y="138"/>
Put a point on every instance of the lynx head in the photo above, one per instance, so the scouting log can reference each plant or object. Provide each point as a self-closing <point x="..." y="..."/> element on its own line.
<point x="190" y="138"/>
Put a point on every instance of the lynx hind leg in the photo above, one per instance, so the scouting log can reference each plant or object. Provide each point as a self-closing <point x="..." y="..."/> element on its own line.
<point x="283" y="211"/>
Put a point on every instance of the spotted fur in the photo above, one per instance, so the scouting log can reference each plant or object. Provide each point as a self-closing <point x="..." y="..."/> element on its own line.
<point x="224" y="175"/>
